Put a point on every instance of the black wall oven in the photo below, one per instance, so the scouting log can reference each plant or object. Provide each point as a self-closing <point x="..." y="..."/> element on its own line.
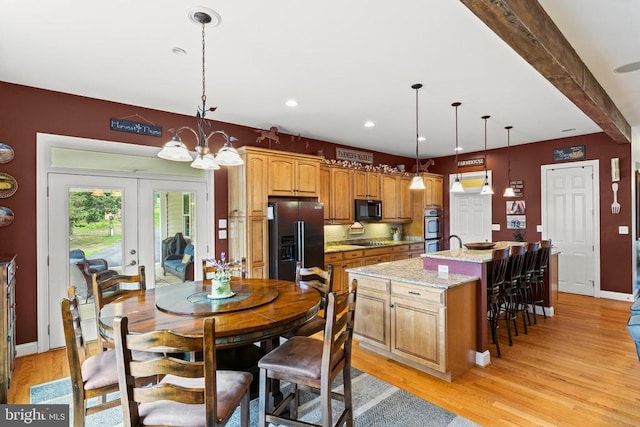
<point x="432" y="230"/>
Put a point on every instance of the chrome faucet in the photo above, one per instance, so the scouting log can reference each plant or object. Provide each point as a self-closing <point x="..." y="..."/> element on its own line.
<point x="457" y="237"/>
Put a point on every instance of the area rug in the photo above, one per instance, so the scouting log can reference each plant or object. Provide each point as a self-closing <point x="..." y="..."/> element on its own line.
<point x="375" y="403"/>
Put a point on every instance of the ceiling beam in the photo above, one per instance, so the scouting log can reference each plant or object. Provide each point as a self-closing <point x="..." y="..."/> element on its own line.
<point x="525" y="26"/>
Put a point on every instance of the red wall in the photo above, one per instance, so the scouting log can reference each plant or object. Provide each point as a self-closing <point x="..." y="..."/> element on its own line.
<point x="616" y="255"/>
<point x="24" y="111"/>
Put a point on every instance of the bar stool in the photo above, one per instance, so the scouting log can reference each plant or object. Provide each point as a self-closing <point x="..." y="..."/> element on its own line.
<point x="537" y="282"/>
<point x="524" y="289"/>
<point x="512" y="301"/>
<point x="495" y="283"/>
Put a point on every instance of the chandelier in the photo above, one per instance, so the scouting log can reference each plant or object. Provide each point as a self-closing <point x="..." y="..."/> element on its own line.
<point x="175" y="149"/>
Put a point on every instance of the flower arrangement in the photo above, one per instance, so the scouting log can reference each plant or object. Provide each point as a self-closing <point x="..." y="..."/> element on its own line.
<point x="222" y="268"/>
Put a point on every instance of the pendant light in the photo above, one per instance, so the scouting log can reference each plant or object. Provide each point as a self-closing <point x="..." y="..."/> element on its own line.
<point x="457" y="184"/>
<point x="175" y="149"/>
<point x="417" y="183"/>
<point x="508" y="192"/>
<point x="486" y="188"/>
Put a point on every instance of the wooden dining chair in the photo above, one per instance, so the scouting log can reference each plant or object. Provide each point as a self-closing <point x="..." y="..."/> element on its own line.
<point x="208" y="269"/>
<point x="110" y="289"/>
<point x="91" y="376"/>
<point x="191" y="393"/>
<point x="322" y="281"/>
<point x="308" y="363"/>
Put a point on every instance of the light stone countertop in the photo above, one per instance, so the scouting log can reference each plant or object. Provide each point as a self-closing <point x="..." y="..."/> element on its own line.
<point x="411" y="271"/>
<point x="470" y="255"/>
<point x="345" y="246"/>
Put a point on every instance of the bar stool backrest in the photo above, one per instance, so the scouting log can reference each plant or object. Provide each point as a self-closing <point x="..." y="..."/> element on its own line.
<point x="543" y="257"/>
<point x="530" y="260"/>
<point x="498" y="270"/>
<point x="516" y="263"/>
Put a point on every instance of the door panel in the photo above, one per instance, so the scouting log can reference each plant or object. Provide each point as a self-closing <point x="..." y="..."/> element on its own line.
<point x="570" y="226"/>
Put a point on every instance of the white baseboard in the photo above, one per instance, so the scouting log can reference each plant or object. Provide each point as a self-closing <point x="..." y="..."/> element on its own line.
<point x="616" y="295"/>
<point x="25" y="349"/>
<point x="483" y="359"/>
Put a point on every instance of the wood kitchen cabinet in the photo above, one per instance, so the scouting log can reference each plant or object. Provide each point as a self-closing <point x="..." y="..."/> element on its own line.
<point x="428" y="328"/>
<point x="433" y="190"/>
<point x="247" y="195"/>
<point x="431" y="196"/>
<point x="366" y="185"/>
<point x="396" y="198"/>
<point x="297" y="175"/>
<point x="341" y="261"/>
<point x="336" y="194"/>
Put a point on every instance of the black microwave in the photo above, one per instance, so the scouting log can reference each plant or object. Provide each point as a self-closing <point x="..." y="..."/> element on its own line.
<point x="368" y="210"/>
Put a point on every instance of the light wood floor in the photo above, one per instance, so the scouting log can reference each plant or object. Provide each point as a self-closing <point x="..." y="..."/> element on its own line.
<point x="577" y="369"/>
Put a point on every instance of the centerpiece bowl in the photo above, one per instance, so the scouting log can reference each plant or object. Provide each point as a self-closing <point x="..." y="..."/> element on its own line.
<point x="479" y="245"/>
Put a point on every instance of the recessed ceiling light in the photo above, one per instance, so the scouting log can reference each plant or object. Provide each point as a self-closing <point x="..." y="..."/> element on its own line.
<point x="627" y="68"/>
<point x="422" y="138"/>
<point x="369" y="124"/>
<point x="178" y="51"/>
<point x="291" y="103"/>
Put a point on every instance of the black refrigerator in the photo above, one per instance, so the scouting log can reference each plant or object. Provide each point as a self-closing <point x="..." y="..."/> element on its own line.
<point x="296" y="233"/>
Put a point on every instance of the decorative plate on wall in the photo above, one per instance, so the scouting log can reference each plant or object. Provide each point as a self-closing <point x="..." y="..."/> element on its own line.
<point x="6" y="216"/>
<point x="6" y="153"/>
<point x="8" y="185"/>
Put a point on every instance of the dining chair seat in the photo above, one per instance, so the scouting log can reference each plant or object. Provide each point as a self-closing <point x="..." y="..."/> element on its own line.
<point x="99" y="370"/>
<point x="299" y="356"/>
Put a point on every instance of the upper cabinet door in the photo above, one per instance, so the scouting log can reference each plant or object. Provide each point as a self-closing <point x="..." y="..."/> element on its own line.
<point x="291" y="176"/>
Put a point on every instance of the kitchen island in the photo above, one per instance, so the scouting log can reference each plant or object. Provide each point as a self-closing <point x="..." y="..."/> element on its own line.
<point x="416" y="316"/>
<point x="475" y="263"/>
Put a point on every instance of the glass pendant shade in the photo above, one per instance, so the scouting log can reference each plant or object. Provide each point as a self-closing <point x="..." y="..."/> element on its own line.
<point x="457" y="186"/>
<point x="228" y="156"/>
<point x="486" y="188"/>
<point x="206" y="162"/>
<point x="508" y="192"/>
<point x="417" y="183"/>
<point x="175" y="150"/>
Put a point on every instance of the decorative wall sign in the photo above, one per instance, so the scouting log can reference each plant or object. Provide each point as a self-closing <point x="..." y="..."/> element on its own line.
<point x="121" y="125"/>
<point x="471" y="162"/>
<point x="518" y="187"/>
<point x="6" y="153"/>
<point x="577" y="152"/>
<point x="353" y="155"/>
<point x="6" y="216"/>
<point x="8" y="185"/>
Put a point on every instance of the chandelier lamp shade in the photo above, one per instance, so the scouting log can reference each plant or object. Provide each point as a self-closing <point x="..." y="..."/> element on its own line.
<point x="417" y="183"/>
<point x="508" y="192"/>
<point x="457" y="184"/>
<point x="486" y="188"/>
<point x="175" y="149"/>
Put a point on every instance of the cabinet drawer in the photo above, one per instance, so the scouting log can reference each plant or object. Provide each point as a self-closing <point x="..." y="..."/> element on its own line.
<point x="377" y="259"/>
<point x="415" y="247"/>
<point x="422" y="293"/>
<point x="377" y="251"/>
<point x="371" y="283"/>
<point x="332" y="257"/>
<point x="352" y="254"/>
<point x="400" y="248"/>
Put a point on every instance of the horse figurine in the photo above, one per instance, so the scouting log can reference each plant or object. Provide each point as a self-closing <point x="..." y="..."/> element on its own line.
<point x="424" y="167"/>
<point x="271" y="135"/>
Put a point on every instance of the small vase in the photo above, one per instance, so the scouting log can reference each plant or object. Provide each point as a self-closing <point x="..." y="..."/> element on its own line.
<point x="221" y="289"/>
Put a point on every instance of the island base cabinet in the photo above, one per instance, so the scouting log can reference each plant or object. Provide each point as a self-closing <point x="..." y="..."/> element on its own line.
<point x="428" y="328"/>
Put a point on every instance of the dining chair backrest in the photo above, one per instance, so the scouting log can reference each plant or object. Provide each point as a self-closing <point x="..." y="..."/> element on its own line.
<point x="516" y="263"/>
<point x="317" y="278"/>
<point x="498" y="270"/>
<point x="112" y="288"/>
<point x="338" y="331"/>
<point x="185" y="382"/>
<point x="100" y="377"/>
<point x="530" y="260"/>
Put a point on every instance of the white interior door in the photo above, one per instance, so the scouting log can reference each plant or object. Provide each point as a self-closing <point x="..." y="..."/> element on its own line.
<point x="470" y="212"/>
<point x="86" y="199"/>
<point x="569" y="220"/>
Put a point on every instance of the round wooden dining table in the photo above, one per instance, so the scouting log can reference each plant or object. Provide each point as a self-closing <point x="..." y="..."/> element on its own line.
<point x="259" y="309"/>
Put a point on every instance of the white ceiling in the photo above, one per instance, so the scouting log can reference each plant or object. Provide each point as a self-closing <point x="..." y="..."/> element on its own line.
<point x="346" y="62"/>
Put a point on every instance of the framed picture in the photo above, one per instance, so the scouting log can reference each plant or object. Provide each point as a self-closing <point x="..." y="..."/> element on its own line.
<point x="6" y="153"/>
<point x="516" y="222"/>
<point x="516" y="207"/>
<point x="6" y="216"/>
<point x="8" y="185"/>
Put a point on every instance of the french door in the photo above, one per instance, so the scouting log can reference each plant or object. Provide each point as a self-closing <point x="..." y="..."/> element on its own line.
<point x="117" y="224"/>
